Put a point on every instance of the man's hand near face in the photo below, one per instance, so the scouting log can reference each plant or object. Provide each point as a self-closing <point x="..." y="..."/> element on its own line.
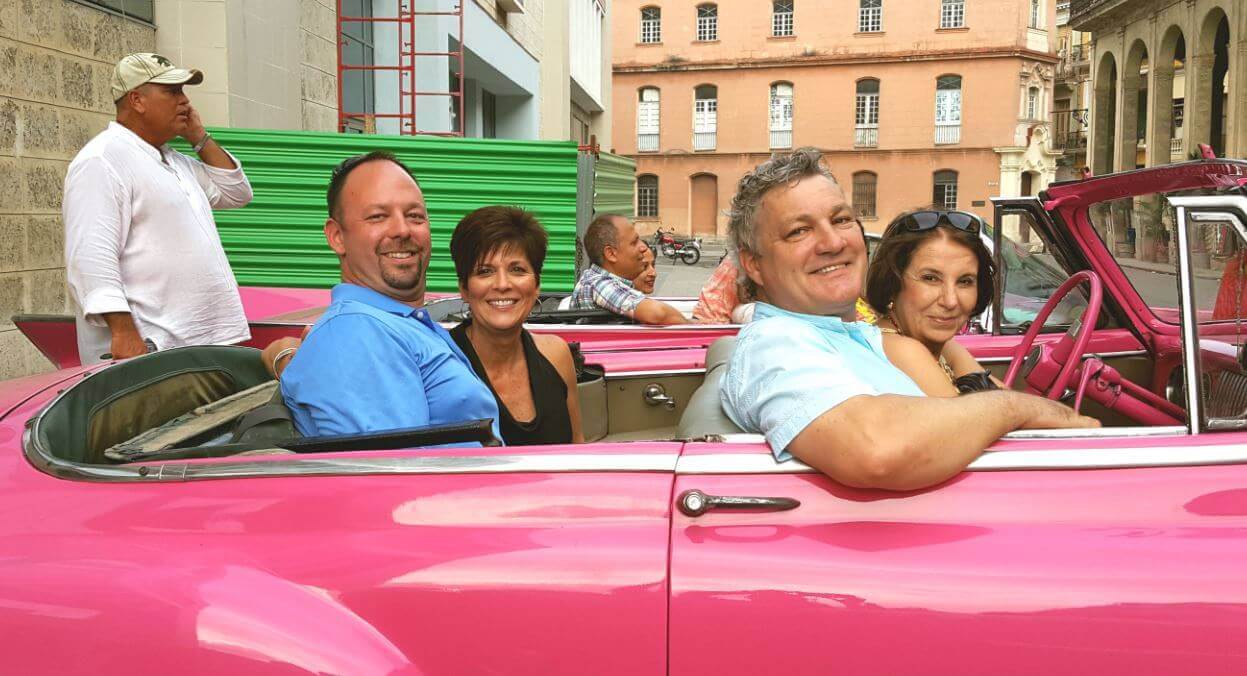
<point x="211" y="153"/>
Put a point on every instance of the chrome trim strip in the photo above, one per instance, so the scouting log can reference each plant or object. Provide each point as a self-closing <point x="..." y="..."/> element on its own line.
<point x="997" y="461"/>
<point x="611" y="375"/>
<point x="1190" y="339"/>
<point x="1097" y="433"/>
<point x="306" y="465"/>
<point x="1102" y="355"/>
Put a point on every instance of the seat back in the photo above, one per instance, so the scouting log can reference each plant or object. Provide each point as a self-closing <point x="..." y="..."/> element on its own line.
<point x="704" y="414"/>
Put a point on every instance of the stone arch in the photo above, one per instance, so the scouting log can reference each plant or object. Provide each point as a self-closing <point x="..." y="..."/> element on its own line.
<point x="1170" y="52"/>
<point x="1105" y="107"/>
<point x="1134" y="98"/>
<point x="1209" y="69"/>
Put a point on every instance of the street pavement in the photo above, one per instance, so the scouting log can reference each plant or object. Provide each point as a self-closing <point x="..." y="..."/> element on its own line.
<point x="675" y="279"/>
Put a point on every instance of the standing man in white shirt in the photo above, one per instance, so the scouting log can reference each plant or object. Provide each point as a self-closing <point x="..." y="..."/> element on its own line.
<point x="145" y="263"/>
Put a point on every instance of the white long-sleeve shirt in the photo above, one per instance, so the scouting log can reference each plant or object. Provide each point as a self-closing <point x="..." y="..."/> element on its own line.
<point x="140" y="238"/>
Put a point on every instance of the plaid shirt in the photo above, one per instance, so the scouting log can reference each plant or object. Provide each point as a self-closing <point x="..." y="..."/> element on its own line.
<point x="598" y="288"/>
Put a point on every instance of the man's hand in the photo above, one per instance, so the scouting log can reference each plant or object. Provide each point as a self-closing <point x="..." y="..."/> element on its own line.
<point x="126" y="341"/>
<point x="269" y="354"/>
<point x="126" y="345"/>
<point x="195" y="131"/>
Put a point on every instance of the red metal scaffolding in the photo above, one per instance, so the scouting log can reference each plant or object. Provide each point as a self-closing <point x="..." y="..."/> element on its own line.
<point x="408" y="93"/>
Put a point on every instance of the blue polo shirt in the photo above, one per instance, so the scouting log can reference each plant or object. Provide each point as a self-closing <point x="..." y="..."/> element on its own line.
<point x="787" y="369"/>
<point x="372" y="363"/>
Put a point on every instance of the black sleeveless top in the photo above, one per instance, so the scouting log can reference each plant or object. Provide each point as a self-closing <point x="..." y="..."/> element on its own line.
<point x="552" y="424"/>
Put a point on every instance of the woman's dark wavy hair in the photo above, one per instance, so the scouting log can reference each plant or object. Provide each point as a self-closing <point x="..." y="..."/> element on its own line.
<point x="885" y="275"/>
<point x="489" y="229"/>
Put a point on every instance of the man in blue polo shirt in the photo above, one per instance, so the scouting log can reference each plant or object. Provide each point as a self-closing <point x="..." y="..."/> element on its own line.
<point x="376" y="361"/>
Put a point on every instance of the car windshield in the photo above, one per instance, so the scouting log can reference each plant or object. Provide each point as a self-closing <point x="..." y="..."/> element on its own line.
<point x="1140" y="233"/>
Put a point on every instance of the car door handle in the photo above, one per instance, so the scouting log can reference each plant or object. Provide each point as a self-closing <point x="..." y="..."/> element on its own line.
<point x="696" y="503"/>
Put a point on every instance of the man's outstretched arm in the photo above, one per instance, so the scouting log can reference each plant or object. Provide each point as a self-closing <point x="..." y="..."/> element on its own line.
<point x="657" y="313"/>
<point x="862" y="443"/>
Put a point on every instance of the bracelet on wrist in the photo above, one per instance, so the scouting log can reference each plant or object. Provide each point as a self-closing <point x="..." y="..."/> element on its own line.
<point x="202" y="142"/>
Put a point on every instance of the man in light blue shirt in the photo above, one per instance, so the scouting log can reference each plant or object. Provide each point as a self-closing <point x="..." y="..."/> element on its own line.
<point x="814" y="380"/>
<point x="375" y="361"/>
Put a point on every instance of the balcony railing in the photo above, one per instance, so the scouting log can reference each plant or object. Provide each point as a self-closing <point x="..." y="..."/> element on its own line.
<point x="866" y="137"/>
<point x="947" y="134"/>
<point x="1069" y="140"/>
<point x="704" y="140"/>
<point x="779" y="139"/>
<point x="1175" y="150"/>
<point x="647" y="143"/>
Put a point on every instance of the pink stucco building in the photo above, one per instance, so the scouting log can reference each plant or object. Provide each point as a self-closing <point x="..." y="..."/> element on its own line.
<point x="941" y="101"/>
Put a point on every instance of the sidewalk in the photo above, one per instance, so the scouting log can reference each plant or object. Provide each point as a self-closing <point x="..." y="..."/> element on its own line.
<point x="1166" y="268"/>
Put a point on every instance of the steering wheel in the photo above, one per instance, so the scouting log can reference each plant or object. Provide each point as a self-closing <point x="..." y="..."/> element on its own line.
<point x="1063" y="356"/>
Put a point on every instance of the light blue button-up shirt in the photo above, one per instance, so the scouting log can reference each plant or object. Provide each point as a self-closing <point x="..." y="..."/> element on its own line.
<point x="372" y="363"/>
<point x="788" y="369"/>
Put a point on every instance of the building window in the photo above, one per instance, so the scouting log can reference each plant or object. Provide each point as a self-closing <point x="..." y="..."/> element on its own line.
<point x="948" y="109"/>
<point x="781" y="18"/>
<point x="945" y="196"/>
<point x="651" y="25"/>
<point x="359" y="88"/>
<point x="953" y="14"/>
<point x="141" y="10"/>
<point x="707" y="23"/>
<point x="1036" y="13"/>
<point x="864" y="183"/>
<point x="870" y="16"/>
<point x="647" y="196"/>
<point x="647" y="115"/>
<point x="1032" y="103"/>
<point x="781" y="115"/>
<point x="866" y="114"/>
<point x="705" y="117"/>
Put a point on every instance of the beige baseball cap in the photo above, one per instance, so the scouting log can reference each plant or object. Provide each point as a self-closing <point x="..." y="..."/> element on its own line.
<point x="139" y="69"/>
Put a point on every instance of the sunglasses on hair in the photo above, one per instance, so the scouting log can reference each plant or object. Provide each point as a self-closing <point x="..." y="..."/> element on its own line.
<point x="920" y="221"/>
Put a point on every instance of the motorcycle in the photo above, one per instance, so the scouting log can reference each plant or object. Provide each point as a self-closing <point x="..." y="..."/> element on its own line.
<point x="687" y="250"/>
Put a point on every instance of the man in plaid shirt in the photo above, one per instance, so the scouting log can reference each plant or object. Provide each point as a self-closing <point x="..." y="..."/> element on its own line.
<point x="617" y="255"/>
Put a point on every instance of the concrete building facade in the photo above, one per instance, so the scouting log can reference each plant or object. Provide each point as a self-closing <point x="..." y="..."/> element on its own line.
<point x="534" y="69"/>
<point x="913" y="103"/>
<point x="1167" y="76"/>
<point x="56" y="59"/>
<point x="1071" y="96"/>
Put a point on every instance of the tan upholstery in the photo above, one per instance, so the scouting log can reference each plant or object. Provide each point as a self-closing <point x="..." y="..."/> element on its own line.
<point x="704" y="414"/>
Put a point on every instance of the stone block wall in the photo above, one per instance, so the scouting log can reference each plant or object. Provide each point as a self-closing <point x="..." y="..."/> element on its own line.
<point x="318" y="23"/>
<point x="56" y="58"/>
<point x="525" y="27"/>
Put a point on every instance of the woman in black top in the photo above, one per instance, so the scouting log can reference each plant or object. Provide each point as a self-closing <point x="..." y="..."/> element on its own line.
<point x="498" y="253"/>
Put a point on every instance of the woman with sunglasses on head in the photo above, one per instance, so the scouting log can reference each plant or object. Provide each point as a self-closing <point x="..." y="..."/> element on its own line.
<point x="929" y="276"/>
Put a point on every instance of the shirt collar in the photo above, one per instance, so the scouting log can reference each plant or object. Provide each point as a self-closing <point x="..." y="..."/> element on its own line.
<point x="360" y="294"/>
<point x="603" y="272"/>
<point x="155" y="153"/>
<point x="834" y="324"/>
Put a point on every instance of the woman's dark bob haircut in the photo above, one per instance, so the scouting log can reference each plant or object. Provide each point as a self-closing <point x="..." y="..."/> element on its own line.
<point x="484" y="232"/>
<point x="886" y="273"/>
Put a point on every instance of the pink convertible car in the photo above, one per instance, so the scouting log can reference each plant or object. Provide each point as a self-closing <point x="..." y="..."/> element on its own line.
<point x="160" y="520"/>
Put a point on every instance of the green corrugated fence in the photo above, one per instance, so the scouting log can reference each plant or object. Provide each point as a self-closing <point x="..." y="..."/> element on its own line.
<point x="278" y="240"/>
<point x="614" y="177"/>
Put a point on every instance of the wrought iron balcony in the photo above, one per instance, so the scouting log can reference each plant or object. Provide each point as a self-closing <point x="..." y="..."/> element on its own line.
<point x="1086" y="14"/>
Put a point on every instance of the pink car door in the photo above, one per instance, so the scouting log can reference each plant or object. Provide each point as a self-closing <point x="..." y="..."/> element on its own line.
<point x="467" y="561"/>
<point x="1107" y="554"/>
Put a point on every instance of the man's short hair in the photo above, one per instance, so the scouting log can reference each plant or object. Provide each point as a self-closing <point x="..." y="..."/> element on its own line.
<point x="780" y="170"/>
<point x="600" y="234"/>
<point x="490" y="229"/>
<point x="344" y="169"/>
